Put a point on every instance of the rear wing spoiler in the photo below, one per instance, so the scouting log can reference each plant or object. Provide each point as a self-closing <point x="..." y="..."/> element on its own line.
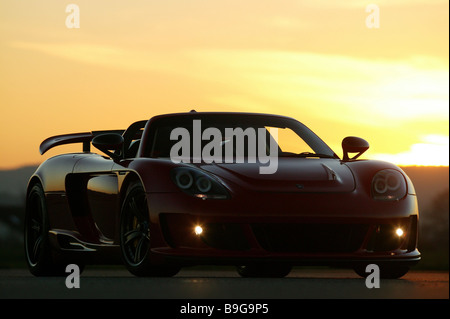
<point x="84" y="138"/>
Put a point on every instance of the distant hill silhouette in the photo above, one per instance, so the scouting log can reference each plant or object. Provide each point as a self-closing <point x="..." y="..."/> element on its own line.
<point x="13" y="185"/>
<point x="429" y="182"/>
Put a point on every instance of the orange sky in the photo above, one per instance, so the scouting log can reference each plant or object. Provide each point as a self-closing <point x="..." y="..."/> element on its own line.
<point x="316" y="61"/>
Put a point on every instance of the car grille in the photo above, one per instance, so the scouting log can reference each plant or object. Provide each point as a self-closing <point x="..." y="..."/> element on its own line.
<point x="225" y="236"/>
<point x="310" y="238"/>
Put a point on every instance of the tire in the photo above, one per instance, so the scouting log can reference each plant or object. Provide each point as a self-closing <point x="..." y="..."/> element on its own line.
<point x="38" y="252"/>
<point x="264" y="271"/>
<point x="386" y="272"/>
<point x="135" y="236"/>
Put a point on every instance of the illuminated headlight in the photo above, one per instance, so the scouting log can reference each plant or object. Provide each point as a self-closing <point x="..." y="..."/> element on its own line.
<point x="388" y="184"/>
<point x="198" y="183"/>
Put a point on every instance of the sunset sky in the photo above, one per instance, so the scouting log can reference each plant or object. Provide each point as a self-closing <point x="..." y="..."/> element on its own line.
<point x="316" y="61"/>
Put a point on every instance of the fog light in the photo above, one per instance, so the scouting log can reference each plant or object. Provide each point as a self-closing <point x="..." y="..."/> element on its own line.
<point x="198" y="230"/>
<point x="399" y="232"/>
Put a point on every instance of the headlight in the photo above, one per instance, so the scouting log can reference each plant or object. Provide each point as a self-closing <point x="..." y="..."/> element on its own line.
<point x="199" y="184"/>
<point x="388" y="184"/>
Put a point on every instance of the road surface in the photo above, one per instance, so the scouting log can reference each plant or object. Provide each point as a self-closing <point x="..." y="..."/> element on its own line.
<point x="223" y="283"/>
<point x="221" y="293"/>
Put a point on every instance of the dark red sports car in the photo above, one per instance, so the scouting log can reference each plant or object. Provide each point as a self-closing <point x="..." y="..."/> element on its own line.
<point x="261" y="192"/>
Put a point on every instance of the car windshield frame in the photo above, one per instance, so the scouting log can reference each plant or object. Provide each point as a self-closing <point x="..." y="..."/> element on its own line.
<point x="234" y="120"/>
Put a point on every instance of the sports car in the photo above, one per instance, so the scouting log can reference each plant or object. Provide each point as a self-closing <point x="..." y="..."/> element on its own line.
<point x="257" y="191"/>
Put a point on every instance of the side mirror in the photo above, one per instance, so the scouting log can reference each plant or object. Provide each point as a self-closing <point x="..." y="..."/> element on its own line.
<point x="352" y="144"/>
<point x="108" y="142"/>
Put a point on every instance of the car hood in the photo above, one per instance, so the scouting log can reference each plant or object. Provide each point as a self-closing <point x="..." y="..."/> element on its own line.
<point x="292" y="175"/>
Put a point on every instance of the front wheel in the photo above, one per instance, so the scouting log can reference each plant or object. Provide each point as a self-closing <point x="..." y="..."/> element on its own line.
<point x="135" y="236"/>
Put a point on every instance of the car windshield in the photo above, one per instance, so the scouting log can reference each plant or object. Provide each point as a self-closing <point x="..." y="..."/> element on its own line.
<point x="234" y="135"/>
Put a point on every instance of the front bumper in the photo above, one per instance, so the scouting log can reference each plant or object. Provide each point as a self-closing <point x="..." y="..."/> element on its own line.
<point x="317" y="229"/>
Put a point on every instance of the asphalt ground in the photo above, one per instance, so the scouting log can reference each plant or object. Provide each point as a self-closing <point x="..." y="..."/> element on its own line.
<point x="220" y="292"/>
<point x="222" y="283"/>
